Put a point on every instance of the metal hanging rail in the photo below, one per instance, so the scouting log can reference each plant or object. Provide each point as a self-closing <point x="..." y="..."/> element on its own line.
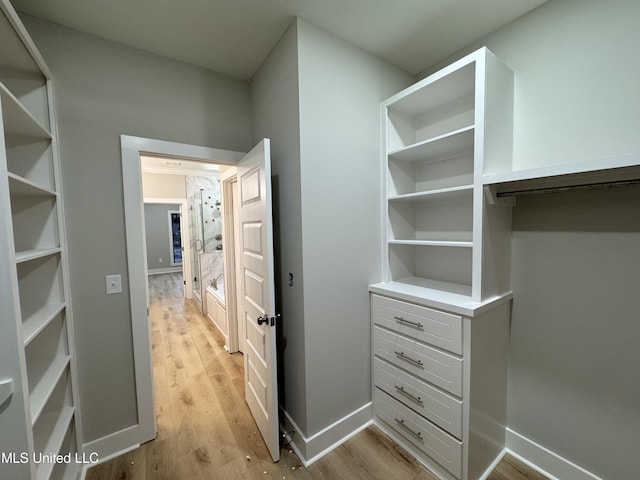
<point x="588" y="186"/>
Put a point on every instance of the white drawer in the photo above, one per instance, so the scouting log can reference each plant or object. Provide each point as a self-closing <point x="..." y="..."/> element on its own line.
<point x="442" y="409"/>
<point x="441" y="329"/>
<point x="441" y="447"/>
<point x="434" y="366"/>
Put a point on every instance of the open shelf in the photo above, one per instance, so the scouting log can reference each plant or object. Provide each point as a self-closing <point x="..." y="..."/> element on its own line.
<point x="429" y="194"/>
<point x="47" y="358"/>
<point x="32" y="160"/>
<point x="431" y="108"/>
<point x="35" y="222"/>
<point x="568" y="175"/>
<point x="20" y="72"/>
<point x="447" y="217"/>
<point x="67" y="471"/>
<point x="43" y="389"/>
<point x="39" y="284"/>
<point x="18" y="121"/>
<point x="36" y="253"/>
<point x="43" y="368"/>
<point x="14" y="56"/>
<point x="433" y="243"/>
<point x="439" y="264"/>
<point x="21" y="186"/>
<point x="405" y="177"/>
<point x="54" y="424"/>
<point x="34" y="324"/>
<point x="437" y="148"/>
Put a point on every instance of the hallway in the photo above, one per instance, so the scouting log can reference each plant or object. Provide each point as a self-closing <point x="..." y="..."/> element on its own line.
<point x="205" y="430"/>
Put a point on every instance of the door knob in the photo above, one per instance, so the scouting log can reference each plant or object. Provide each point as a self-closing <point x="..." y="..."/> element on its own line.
<point x="263" y="319"/>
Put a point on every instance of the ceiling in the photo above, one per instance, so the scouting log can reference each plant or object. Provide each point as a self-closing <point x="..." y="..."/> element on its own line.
<point x="234" y="36"/>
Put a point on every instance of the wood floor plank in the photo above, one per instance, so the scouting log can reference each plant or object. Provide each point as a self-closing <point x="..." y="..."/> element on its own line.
<point x="206" y="431"/>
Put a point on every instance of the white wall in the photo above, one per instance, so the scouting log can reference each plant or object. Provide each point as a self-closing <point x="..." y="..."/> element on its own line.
<point x="160" y="185"/>
<point x="575" y="336"/>
<point x="102" y="90"/>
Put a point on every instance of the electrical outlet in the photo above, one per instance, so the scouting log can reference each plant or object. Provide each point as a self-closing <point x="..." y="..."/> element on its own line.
<point x="114" y="284"/>
<point x="160" y="260"/>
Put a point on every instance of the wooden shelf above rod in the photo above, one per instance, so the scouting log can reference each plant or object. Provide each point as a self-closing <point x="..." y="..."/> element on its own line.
<point x="594" y="174"/>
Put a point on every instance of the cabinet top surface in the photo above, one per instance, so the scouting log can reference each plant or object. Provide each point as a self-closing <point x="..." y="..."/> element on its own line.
<point x="454" y="302"/>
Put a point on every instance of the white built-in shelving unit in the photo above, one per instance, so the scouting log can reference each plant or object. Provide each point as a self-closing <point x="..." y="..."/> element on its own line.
<point x="37" y="329"/>
<point x="440" y="317"/>
<point x="443" y="135"/>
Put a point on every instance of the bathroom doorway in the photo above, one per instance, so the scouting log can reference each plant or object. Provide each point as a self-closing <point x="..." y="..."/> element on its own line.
<point x="257" y="280"/>
<point x="174" y="154"/>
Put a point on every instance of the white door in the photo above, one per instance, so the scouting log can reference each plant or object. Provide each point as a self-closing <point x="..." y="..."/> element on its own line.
<point x="258" y="292"/>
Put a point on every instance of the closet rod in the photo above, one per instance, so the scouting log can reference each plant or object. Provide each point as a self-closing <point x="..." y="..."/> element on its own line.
<point x="587" y="186"/>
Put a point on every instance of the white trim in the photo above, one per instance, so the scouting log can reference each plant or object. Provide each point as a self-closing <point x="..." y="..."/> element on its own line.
<point x="228" y="178"/>
<point x="86" y="467"/>
<point x="310" y="450"/>
<point x="544" y="460"/>
<point x="131" y="149"/>
<point x="158" y="271"/>
<point x="492" y="466"/>
<point x="110" y="446"/>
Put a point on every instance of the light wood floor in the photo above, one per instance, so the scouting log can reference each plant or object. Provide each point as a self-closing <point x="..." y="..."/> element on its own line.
<point x="205" y="430"/>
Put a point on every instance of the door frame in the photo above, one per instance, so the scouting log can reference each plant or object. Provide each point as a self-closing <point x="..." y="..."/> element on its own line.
<point x="228" y="181"/>
<point x="172" y="260"/>
<point x="131" y="148"/>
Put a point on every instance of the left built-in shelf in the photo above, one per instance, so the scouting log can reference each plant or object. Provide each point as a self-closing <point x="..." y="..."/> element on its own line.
<point x="41" y="414"/>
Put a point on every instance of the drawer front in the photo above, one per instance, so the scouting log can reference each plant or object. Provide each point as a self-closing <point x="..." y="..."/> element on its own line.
<point x="442" y="409"/>
<point x="441" y="447"/>
<point x="441" y="329"/>
<point x="434" y="366"/>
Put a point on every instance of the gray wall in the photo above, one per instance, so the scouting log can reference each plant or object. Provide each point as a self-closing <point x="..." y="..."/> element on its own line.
<point x="102" y="90"/>
<point x="158" y="234"/>
<point x="275" y="109"/>
<point x="573" y="371"/>
<point x="325" y="95"/>
<point x="575" y="337"/>
<point x="341" y="88"/>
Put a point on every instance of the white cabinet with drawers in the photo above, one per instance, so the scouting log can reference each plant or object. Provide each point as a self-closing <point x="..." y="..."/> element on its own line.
<point x="447" y="406"/>
<point x="440" y="317"/>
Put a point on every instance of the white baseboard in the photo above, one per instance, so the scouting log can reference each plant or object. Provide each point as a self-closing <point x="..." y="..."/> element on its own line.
<point x="544" y="460"/>
<point x="311" y="449"/>
<point x="156" y="271"/>
<point x="106" y="458"/>
<point x="114" y="444"/>
<point x="487" y="473"/>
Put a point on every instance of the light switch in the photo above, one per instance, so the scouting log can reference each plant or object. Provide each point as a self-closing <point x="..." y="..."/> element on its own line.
<point x="114" y="284"/>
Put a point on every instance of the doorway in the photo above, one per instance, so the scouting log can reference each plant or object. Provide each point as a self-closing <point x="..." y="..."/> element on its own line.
<point x="257" y="277"/>
<point x="132" y="148"/>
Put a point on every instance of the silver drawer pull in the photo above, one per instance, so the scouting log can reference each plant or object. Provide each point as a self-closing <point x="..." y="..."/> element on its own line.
<point x="418" y="435"/>
<point x="409" y="322"/>
<point x="402" y="356"/>
<point x="407" y="394"/>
